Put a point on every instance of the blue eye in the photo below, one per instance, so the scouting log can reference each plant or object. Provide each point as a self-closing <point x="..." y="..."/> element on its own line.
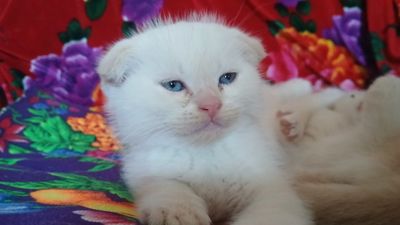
<point x="227" y="78"/>
<point x="173" y="85"/>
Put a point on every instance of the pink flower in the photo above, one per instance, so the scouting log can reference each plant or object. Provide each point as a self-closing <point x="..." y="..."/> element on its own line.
<point x="282" y="66"/>
<point x="104" y="218"/>
<point x="348" y="85"/>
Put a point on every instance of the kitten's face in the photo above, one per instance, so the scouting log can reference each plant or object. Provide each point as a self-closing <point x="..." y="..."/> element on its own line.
<point x="187" y="79"/>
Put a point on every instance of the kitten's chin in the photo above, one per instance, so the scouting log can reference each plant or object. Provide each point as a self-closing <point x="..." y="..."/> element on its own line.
<point x="209" y="127"/>
<point x="207" y="132"/>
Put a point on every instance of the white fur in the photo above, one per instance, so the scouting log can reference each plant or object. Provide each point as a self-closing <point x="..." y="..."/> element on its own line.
<point x="181" y="170"/>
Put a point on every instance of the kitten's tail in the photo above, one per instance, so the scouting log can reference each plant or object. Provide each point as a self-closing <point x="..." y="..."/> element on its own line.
<point x="344" y="204"/>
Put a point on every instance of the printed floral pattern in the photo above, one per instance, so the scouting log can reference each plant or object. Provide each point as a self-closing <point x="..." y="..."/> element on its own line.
<point x="316" y="59"/>
<point x="95" y="124"/>
<point x="347" y="32"/>
<point x="289" y="3"/>
<point x="58" y="159"/>
<point x="55" y="154"/>
<point x="9" y="132"/>
<point x="139" y="11"/>
<point x="103" y="218"/>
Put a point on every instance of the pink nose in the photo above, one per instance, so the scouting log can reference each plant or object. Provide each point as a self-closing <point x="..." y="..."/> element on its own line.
<point x="210" y="106"/>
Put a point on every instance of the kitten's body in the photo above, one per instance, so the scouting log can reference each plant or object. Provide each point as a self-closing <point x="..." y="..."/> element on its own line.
<point x="351" y="174"/>
<point x="183" y="165"/>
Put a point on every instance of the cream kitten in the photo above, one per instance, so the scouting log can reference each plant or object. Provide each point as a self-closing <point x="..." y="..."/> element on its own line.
<point x="186" y="100"/>
<point x="317" y="115"/>
<point x="351" y="174"/>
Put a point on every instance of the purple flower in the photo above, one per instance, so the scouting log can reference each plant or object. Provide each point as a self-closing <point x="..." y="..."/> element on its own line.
<point x="139" y="11"/>
<point x="71" y="76"/>
<point x="290" y="3"/>
<point x="346" y="31"/>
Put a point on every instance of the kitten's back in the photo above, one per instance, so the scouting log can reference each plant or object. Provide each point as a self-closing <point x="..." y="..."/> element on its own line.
<point x="368" y="202"/>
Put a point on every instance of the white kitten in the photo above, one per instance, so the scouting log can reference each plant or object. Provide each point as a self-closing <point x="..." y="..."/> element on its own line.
<point x="351" y="173"/>
<point x="187" y="101"/>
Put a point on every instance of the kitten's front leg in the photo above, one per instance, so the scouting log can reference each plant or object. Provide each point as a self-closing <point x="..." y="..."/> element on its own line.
<point x="278" y="205"/>
<point x="293" y="116"/>
<point x="169" y="202"/>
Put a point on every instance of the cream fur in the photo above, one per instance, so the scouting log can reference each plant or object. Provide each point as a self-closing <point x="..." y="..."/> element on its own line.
<point x="348" y="166"/>
<point x="181" y="169"/>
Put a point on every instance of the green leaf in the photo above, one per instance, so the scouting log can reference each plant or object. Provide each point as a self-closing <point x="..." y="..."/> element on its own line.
<point x="275" y="26"/>
<point x="352" y="3"/>
<point x="96" y="185"/>
<point x="86" y="32"/>
<point x="74" y="181"/>
<point x="102" y="164"/>
<point x="63" y="36"/>
<point x="9" y="162"/>
<point x="95" y="8"/>
<point x="35" y="120"/>
<point x="128" y="28"/>
<point x="54" y="133"/>
<point x="281" y="9"/>
<point x="14" y="193"/>
<point x="74" y="32"/>
<point x="33" y="133"/>
<point x="102" y="167"/>
<point x="385" y="68"/>
<point x="8" y="168"/>
<point x="39" y="185"/>
<point x="63" y="106"/>
<point x="14" y="149"/>
<point x="18" y="77"/>
<point x="44" y="95"/>
<point x="38" y="112"/>
<point x="296" y="21"/>
<point x="47" y="147"/>
<point x="311" y="26"/>
<point x="303" y="7"/>
<point x="14" y="94"/>
<point x="81" y="142"/>
<point x="90" y="159"/>
<point x="377" y="46"/>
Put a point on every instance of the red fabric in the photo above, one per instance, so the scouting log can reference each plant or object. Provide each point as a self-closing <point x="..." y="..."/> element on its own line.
<point x="30" y="28"/>
<point x="251" y="15"/>
<point x="384" y="20"/>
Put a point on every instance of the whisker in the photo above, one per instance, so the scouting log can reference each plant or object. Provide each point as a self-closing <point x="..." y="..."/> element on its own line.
<point x="232" y="21"/>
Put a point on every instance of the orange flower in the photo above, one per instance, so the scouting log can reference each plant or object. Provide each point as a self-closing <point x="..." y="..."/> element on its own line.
<point x="334" y="64"/>
<point x="88" y="199"/>
<point x="98" y="99"/>
<point x="94" y="124"/>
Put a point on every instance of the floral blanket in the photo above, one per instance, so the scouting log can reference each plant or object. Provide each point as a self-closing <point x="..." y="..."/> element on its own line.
<point x="59" y="162"/>
<point x="59" y="165"/>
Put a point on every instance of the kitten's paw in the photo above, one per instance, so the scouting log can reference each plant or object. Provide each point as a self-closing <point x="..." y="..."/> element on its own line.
<point x="291" y="124"/>
<point x="382" y="106"/>
<point x="174" y="212"/>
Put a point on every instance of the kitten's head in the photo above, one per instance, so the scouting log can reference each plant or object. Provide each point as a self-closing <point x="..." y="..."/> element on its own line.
<point x="186" y="79"/>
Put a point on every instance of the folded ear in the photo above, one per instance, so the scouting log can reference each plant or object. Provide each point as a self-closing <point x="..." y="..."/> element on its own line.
<point x="254" y="50"/>
<point x="117" y="63"/>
